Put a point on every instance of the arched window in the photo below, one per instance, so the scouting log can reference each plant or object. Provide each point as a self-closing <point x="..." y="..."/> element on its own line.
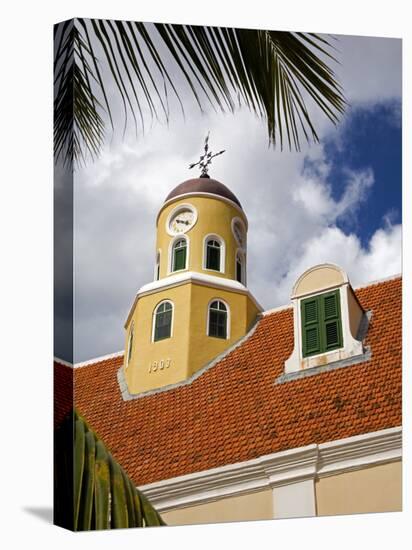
<point x="162" y="324"/>
<point x="179" y="255"/>
<point x="214" y="253"/>
<point x="130" y="345"/>
<point x="157" y="267"/>
<point x="218" y="319"/>
<point x="240" y="267"/>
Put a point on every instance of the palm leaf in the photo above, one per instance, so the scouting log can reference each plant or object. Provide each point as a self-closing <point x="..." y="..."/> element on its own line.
<point x="272" y="73"/>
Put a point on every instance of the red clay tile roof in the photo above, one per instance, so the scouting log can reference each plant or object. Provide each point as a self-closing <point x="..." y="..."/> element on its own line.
<point x="234" y="411"/>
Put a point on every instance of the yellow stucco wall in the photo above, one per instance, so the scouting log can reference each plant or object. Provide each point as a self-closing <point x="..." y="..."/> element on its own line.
<point x="146" y="370"/>
<point x="253" y="506"/>
<point x="157" y="364"/>
<point x="214" y="217"/>
<point x="374" y="489"/>
<point x="189" y="348"/>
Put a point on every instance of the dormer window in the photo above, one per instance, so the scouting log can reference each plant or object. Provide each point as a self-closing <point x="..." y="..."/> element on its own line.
<point x="329" y="321"/>
<point x="321" y="323"/>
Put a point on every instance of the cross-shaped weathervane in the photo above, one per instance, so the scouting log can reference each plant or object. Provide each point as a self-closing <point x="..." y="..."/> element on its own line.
<point x="206" y="159"/>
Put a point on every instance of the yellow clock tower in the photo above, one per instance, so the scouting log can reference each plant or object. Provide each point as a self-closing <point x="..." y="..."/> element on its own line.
<point x="198" y="304"/>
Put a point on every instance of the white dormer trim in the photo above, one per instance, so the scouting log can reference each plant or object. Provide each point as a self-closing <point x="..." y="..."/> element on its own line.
<point x="351" y="346"/>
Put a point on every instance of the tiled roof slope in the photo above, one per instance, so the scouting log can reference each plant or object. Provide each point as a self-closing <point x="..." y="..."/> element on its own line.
<point x="63" y="392"/>
<point x="235" y="411"/>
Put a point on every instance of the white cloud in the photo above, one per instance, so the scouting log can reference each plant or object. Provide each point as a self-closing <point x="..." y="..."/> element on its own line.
<point x="380" y="259"/>
<point x="292" y="213"/>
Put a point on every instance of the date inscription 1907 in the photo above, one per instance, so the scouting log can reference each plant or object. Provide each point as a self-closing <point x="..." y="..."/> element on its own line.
<point x="160" y="365"/>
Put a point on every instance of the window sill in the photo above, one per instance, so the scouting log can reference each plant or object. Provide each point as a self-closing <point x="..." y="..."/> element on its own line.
<point x="332" y="365"/>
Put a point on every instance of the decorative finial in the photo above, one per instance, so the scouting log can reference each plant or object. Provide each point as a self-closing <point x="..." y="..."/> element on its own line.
<point x="206" y="159"/>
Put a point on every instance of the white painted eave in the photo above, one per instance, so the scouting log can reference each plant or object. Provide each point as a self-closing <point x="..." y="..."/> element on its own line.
<point x="196" y="278"/>
<point x="278" y="469"/>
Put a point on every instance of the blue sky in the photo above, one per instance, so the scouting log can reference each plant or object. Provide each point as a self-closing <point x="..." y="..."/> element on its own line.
<point x="370" y="137"/>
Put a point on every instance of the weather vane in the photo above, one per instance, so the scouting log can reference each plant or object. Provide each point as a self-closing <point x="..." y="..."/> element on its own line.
<point x="206" y="159"/>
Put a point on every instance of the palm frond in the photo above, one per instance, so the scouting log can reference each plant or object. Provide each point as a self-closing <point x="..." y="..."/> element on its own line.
<point x="271" y="73"/>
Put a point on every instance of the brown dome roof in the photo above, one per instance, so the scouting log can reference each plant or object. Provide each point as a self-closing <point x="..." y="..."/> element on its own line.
<point x="203" y="185"/>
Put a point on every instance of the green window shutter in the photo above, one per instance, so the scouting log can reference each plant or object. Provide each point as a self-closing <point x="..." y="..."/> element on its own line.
<point x="179" y="259"/>
<point x="321" y="324"/>
<point x="311" y="334"/>
<point x="332" y="327"/>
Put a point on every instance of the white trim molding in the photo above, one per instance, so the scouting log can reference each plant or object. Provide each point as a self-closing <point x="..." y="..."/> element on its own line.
<point x="239" y="221"/>
<point x="174" y="211"/>
<point x="290" y="474"/>
<point x="182" y="277"/>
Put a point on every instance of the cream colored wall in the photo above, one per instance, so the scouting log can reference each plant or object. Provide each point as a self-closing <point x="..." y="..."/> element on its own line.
<point x="320" y="278"/>
<point x="253" y="506"/>
<point x="374" y="489"/>
<point x="355" y="313"/>
<point x="214" y="216"/>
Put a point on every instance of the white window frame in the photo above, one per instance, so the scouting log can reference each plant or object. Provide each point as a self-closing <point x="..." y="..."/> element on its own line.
<point x="242" y="223"/>
<point x="242" y="253"/>
<point x="170" y="253"/>
<point x="221" y="241"/>
<point x="228" y="317"/>
<point x="174" y="211"/>
<point x="154" y="320"/>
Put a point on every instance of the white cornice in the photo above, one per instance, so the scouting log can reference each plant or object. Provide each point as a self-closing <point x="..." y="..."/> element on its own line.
<point x="192" y="277"/>
<point x="359" y="451"/>
<point x="277" y="469"/>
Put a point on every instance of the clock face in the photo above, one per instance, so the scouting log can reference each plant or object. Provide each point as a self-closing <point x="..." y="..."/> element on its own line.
<point x="239" y="233"/>
<point x="181" y="221"/>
